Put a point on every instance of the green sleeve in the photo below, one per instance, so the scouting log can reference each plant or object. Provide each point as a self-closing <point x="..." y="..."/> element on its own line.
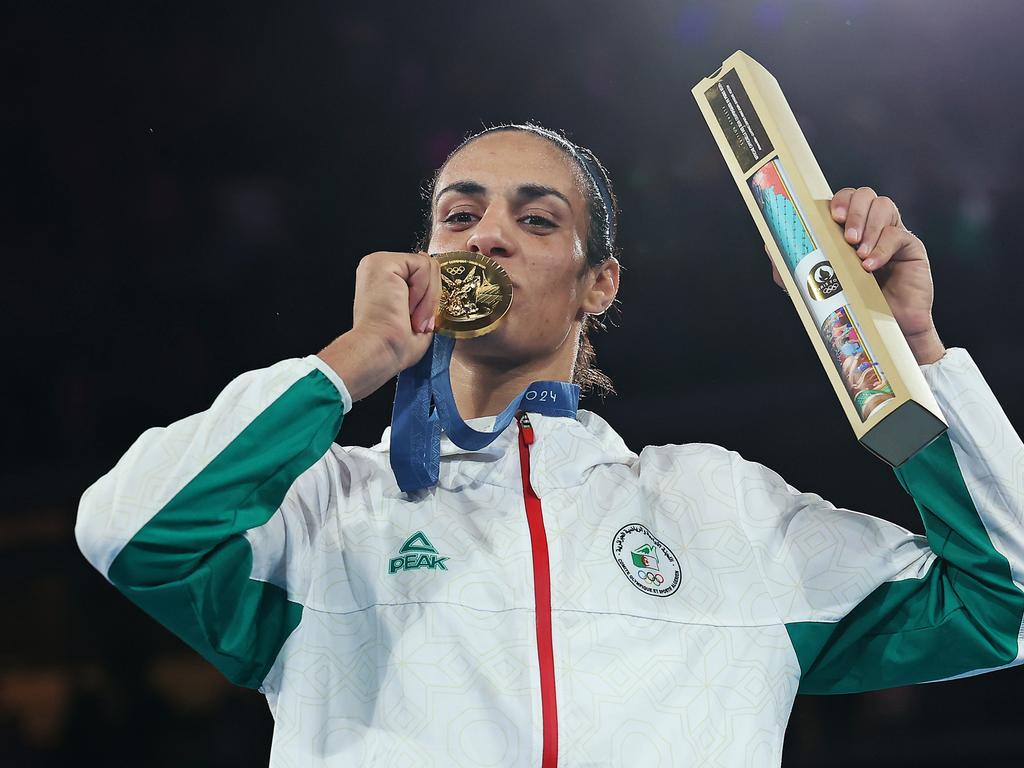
<point x="189" y="565"/>
<point x="961" y="616"/>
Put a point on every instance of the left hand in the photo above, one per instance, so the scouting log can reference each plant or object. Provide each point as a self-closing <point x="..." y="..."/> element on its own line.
<point x="898" y="260"/>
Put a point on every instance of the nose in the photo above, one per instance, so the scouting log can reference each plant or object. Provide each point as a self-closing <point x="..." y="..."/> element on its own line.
<point x="491" y="235"/>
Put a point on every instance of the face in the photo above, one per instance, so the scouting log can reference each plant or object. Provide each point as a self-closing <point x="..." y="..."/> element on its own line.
<point x="514" y="196"/>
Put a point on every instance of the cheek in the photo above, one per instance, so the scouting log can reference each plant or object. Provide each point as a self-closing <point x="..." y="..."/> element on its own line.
<point x="442" y="242"/>
<point x="550" y="301"/>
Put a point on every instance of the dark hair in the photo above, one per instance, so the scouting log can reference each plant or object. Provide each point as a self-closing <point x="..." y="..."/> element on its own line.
<point x="602" y="223"/>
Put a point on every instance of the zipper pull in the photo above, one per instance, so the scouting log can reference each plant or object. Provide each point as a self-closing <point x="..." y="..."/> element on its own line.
<point x="525" y="428"/>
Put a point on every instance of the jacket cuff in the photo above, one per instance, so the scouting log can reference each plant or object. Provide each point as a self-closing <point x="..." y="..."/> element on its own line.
<point x="335" y="379"/>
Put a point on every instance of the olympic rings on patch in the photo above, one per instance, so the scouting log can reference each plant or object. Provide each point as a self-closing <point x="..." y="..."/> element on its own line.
<point x="651" y="576"/>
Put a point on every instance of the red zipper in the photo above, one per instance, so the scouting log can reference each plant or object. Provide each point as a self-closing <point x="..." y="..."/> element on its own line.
<point x="542" y="598"/>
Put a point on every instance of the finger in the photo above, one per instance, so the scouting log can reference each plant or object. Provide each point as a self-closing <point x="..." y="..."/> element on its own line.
<point x="840" y="204"/>
<point x="432" y="300"/>
<point x="889" y="242"/>
<point x="881" y="214"/>
<point x="775" y="271"/>
<point x="428" y="276"/>
<point x="419" y="284"/>
<point x="857" y="214"/>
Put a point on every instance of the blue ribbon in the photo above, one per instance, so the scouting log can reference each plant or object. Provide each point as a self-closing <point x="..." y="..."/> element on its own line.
<point x="425" y="405"/>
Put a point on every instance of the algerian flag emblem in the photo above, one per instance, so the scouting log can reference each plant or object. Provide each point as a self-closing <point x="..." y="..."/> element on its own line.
<point x="644" y="556"/>
<point x="646" y="560"/>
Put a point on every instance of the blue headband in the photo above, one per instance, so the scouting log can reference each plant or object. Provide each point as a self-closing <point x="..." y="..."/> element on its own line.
<point x="602" y="189"/>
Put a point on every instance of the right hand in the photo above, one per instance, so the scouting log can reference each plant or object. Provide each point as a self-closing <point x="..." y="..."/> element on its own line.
<point x="397" y="296"/>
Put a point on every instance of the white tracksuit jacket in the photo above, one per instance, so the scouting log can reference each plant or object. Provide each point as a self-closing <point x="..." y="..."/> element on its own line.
<point x="657" y="610"/>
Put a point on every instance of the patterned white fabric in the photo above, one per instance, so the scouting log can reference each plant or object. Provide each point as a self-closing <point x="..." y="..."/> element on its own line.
<point x="439" y="667"/>
<point x="704" y="677"/>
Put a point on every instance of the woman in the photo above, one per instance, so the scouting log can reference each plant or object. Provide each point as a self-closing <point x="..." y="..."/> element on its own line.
<point x="555" y="596"/>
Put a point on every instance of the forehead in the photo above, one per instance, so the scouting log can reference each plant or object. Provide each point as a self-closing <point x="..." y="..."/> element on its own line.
<point x="506" y="159"/>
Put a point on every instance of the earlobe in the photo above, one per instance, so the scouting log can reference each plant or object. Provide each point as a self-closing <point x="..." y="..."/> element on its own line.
<point x="599" y="304"/>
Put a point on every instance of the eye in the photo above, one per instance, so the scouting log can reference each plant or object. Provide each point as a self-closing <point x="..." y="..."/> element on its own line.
<point x="533" y="220"/>
<point x="460" y="217"/>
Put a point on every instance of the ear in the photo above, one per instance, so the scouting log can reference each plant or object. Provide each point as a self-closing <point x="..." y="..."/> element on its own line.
<point x="602" y="290"/>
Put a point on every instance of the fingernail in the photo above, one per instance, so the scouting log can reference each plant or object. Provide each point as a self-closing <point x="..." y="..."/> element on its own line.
<point x="423" y="326"/>
<point x="853" y="233"/>
<point x="869" y="263"/>
<point x="840" y="213"/>
<point x="430" y="325"/>
<point x="863" y="250"/>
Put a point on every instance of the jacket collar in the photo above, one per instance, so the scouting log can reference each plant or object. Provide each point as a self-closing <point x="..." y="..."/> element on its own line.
<point x="563" y="454"/>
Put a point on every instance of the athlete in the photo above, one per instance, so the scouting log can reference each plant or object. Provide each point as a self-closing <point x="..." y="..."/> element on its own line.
<point x="554" y="597"/>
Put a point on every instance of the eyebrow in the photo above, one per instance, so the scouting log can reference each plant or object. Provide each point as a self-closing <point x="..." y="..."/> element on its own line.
<point x="523" y="191"/>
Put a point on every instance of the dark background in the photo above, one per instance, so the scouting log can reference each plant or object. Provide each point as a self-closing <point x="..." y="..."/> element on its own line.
<point x="187" y="191"/>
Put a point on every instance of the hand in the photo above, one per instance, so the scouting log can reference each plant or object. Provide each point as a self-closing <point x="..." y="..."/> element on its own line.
<point x="898" y="260"/>
<point x="397" y="296"/>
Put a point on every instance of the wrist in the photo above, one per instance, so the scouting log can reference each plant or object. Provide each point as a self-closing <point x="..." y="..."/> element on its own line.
<point x="363" y="362"/>
<point x="926" y="346"/>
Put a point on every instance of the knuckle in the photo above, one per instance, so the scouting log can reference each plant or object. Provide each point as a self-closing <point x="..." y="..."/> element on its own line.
<point x="370" y="260"/>
<point x="868" y="191"/>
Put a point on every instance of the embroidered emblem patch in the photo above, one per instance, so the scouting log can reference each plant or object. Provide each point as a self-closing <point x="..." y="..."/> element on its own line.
<point x="649" y="565"/>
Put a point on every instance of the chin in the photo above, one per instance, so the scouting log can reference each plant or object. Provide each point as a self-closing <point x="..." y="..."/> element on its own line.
<point x="500" y="345"/>
<point x="493" y="344"/>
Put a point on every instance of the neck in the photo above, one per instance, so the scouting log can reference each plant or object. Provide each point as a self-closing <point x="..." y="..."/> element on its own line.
<point x="483" y="387"/>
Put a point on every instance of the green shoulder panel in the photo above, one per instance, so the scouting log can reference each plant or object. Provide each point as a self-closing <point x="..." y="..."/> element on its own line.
<point x="189" y="566"/>
<point x="963" y="616"/>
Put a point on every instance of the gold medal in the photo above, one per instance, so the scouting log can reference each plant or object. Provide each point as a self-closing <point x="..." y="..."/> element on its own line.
<point x="476" y="292"/>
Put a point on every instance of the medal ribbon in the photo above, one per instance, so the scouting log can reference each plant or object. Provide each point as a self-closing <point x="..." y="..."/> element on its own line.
<point x="425" y="405"/>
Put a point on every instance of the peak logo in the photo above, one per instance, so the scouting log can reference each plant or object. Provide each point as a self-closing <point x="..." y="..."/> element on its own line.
<point x="417" y="552"/>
